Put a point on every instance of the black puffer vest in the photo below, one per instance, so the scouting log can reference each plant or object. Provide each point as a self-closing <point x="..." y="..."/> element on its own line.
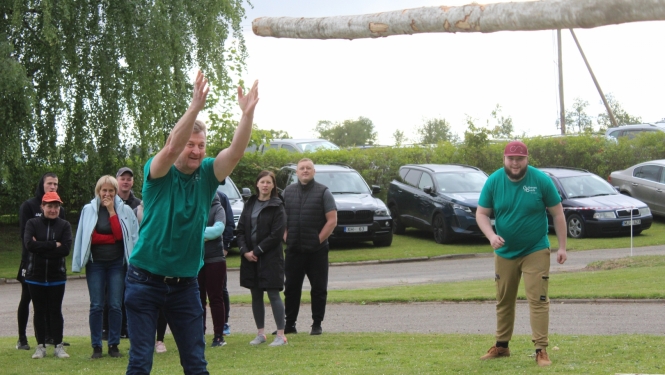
<point x="305" y="216"/>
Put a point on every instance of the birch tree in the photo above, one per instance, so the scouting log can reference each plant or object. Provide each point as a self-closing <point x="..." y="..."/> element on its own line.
<point x="510" y="16"/>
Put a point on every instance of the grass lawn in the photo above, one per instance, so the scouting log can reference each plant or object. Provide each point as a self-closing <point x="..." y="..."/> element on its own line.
<point x="414" y="243"/>
<point x="370" y="353"/>
<point x="639" y="277"/>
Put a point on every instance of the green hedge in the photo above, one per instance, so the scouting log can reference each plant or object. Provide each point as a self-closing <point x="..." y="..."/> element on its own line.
<point x="377" y="165"/>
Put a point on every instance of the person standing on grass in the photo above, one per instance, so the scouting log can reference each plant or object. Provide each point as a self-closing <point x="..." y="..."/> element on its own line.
<point x="213" y="273"/>
<point x="48" y="239"/>
<point x="311" y="217"/>
<point x="178" y="186"/>
<point x="106" y="234"/>
<point x="260" y="233"/>
<point x="30" y="209"/>
<point x="227" y="238"/>
<point x="518" y="196"/>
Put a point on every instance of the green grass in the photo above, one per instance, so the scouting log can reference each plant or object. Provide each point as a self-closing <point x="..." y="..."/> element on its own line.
<point x="369" y="353"/>
<point x="640" y="277"/>
<point x="414" y="243"/>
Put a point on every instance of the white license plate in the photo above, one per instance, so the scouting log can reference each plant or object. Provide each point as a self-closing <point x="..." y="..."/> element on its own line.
<point x="628" y="223"/>
<point x="355" y="229"/>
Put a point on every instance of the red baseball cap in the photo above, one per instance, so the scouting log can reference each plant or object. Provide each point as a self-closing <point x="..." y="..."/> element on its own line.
<point x="515" y="148"/>
<point x="51" y="196"/>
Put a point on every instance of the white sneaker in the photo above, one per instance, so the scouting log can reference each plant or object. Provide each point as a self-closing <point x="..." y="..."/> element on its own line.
<point x="60" y="351"/>
<point x="160" y="347"/>
<point x="259" y="339"/>
<point x="279" y="341"/>
<point x="40" y="352"/>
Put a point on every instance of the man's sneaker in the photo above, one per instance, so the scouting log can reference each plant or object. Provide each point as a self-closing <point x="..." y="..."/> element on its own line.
<point x="40" y="352"/>
<point x="542" y="359"/>
<point x="218" y="341"/>
<point x="160" y="347"/>
<point x="96" y="352"/>
<point x="316" y="330"/>
<point x="114" y="351"/>
<point x="259" y="339"/>
<point x="65" y="343"/>
<point x="496" y="352"/>
<point x="22" y="344"/>
<point x="227" y="329"/>
<point x="60" y="351"/>
<point x="279" y="341"/>
<point x="48" y="341"/>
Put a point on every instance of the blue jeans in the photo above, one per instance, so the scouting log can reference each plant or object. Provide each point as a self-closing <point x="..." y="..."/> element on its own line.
<point x="102" y="276"/>
<point x="144" y="296"/>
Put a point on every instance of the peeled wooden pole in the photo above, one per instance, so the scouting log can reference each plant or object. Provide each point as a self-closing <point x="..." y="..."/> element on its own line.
<point x="519" y="16"/>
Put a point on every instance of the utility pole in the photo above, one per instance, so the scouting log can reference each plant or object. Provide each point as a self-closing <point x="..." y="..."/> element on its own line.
<point x="562" y="107"/>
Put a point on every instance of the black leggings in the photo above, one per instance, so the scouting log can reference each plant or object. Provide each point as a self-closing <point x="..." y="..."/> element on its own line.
<point x="47" y="301"/>
<point x="23" y="313"/>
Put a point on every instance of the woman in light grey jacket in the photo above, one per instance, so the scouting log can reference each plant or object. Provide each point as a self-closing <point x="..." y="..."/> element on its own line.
<point x="106" y="235"/>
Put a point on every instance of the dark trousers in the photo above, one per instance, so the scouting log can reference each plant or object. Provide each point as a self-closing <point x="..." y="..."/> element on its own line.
<point x="23" y="313"/>
<point x="211" y="288"/>
<point x="47" y="301"/>
<point x="227" y="301"/>
<point x="314" y="265"/>
<point x="105" y="318"/>
<point x="161" y="325"/>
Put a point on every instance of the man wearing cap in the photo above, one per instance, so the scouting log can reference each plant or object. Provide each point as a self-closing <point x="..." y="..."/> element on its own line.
<point x="518" y="196"/>
<point x="125" y="177"/>
<point x="179" y="183"/>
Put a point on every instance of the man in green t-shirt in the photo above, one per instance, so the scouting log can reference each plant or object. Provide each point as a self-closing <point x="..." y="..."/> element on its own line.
<point x="179" y="184"/>
<point x="518" y="195"/>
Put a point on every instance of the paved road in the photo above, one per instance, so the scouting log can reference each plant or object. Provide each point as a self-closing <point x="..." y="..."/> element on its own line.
<point x="569" y="317"/>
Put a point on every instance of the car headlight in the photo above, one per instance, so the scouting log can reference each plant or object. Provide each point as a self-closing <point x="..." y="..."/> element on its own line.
<point x="605" y="215"/>
<point x="383" y="211"/>
<point x="645" y="211"/>
<point x="463" y="208"/>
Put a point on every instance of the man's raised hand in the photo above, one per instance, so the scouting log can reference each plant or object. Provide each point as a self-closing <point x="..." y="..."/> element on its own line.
<point x="248" y="102"/>
<point x="201" y="90"/>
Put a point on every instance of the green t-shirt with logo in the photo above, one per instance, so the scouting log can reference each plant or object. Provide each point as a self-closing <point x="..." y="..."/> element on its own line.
<point x="519" y="210"/>
<point x="175" y="214"/>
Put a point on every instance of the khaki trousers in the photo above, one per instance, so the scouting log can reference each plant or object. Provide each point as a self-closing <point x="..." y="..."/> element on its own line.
<point x="535" y="267"/>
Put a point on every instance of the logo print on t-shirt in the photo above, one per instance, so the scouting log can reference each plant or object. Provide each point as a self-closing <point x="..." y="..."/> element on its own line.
<point x="530" y="189"/>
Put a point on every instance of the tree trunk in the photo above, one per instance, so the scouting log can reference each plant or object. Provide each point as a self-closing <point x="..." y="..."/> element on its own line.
<point x="521" y="16"/>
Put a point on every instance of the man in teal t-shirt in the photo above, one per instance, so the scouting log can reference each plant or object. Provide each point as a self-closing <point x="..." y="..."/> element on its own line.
<point x="519" y="196"/>
<point x="179" y="184"/>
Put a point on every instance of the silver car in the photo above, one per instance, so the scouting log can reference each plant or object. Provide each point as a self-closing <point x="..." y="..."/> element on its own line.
<point x="644" y="181"/>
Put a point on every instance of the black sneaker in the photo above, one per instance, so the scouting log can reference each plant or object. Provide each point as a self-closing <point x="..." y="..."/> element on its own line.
<point x="218" y="341"/>
<point x="114" y="352"/>
<point x="96" y="352"/>
<point x="65" y="343"/>
<point x="289" y="328"/>
<point x="22" y="343"/>
<point x="316" y="329"/>
<point x="49" y="341"/>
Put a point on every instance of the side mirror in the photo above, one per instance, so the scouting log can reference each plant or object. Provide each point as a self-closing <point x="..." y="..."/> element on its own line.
<point x="246" y="193"/>
<point x="428" y="190"/>
<point x="376" y="189"/>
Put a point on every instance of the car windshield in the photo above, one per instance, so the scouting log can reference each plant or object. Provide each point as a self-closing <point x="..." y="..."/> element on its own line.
<point x="315" y="145"/>
<point x="460" y="182"/>
<point x="585" y="186"/>
<point x="229" y="189"/>
<point x="343" y="182"/>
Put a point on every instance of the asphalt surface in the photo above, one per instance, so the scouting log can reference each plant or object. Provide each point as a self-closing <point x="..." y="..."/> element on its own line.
<point x="567" y="317"/>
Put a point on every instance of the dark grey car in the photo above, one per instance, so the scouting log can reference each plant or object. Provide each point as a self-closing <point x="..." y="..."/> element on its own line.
<point x="644" y="181"/>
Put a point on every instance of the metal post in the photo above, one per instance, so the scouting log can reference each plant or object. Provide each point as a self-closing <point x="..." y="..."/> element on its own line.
<point x="562" y="107"/>
<point x="595" y="81"/>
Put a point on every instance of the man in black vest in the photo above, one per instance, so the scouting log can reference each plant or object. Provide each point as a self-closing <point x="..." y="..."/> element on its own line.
<point x="311" y="216"/>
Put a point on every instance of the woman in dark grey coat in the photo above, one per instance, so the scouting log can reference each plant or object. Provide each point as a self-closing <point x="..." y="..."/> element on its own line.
<point x="260" y="234"/>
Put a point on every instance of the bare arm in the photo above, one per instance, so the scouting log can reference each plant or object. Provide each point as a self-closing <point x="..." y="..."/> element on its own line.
<point x="483" y="220"/>
<point x="228" y="158"/>
<point x="331" y="223"/>
<point x="182" y="131"/>
<point x="559" y="220"/>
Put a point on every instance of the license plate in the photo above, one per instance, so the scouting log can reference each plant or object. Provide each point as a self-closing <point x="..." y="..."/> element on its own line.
<point x="628" y="223"/>
<point x="355" y="229"/>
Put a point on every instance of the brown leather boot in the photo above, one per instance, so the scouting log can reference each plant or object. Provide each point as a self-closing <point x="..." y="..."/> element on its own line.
<point x="542" y="359"/>
<point x="496" y="352"/>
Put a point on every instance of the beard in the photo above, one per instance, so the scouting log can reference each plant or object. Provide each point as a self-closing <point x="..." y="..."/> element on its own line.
<point x="515" y="176"/>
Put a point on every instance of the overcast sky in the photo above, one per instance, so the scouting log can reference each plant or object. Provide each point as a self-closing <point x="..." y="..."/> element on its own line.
<point x="400" y="81"/>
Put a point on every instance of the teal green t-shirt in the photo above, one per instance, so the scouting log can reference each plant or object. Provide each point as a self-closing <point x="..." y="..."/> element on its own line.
<point x="175" y="214"/>
<point x="519" y="210"/>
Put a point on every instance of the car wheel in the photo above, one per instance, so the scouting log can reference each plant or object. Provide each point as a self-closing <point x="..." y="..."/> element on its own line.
<point x="384" y="242"/>
<point x="575" y="226"/>
<point x="442" y="231"/>
<point x="398" y="227"/>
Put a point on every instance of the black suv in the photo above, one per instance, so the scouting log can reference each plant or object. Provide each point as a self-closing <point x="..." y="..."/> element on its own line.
<point x="442" y="198"/>
<point x="360" y="216"/>
<point x="593" y="207"/>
